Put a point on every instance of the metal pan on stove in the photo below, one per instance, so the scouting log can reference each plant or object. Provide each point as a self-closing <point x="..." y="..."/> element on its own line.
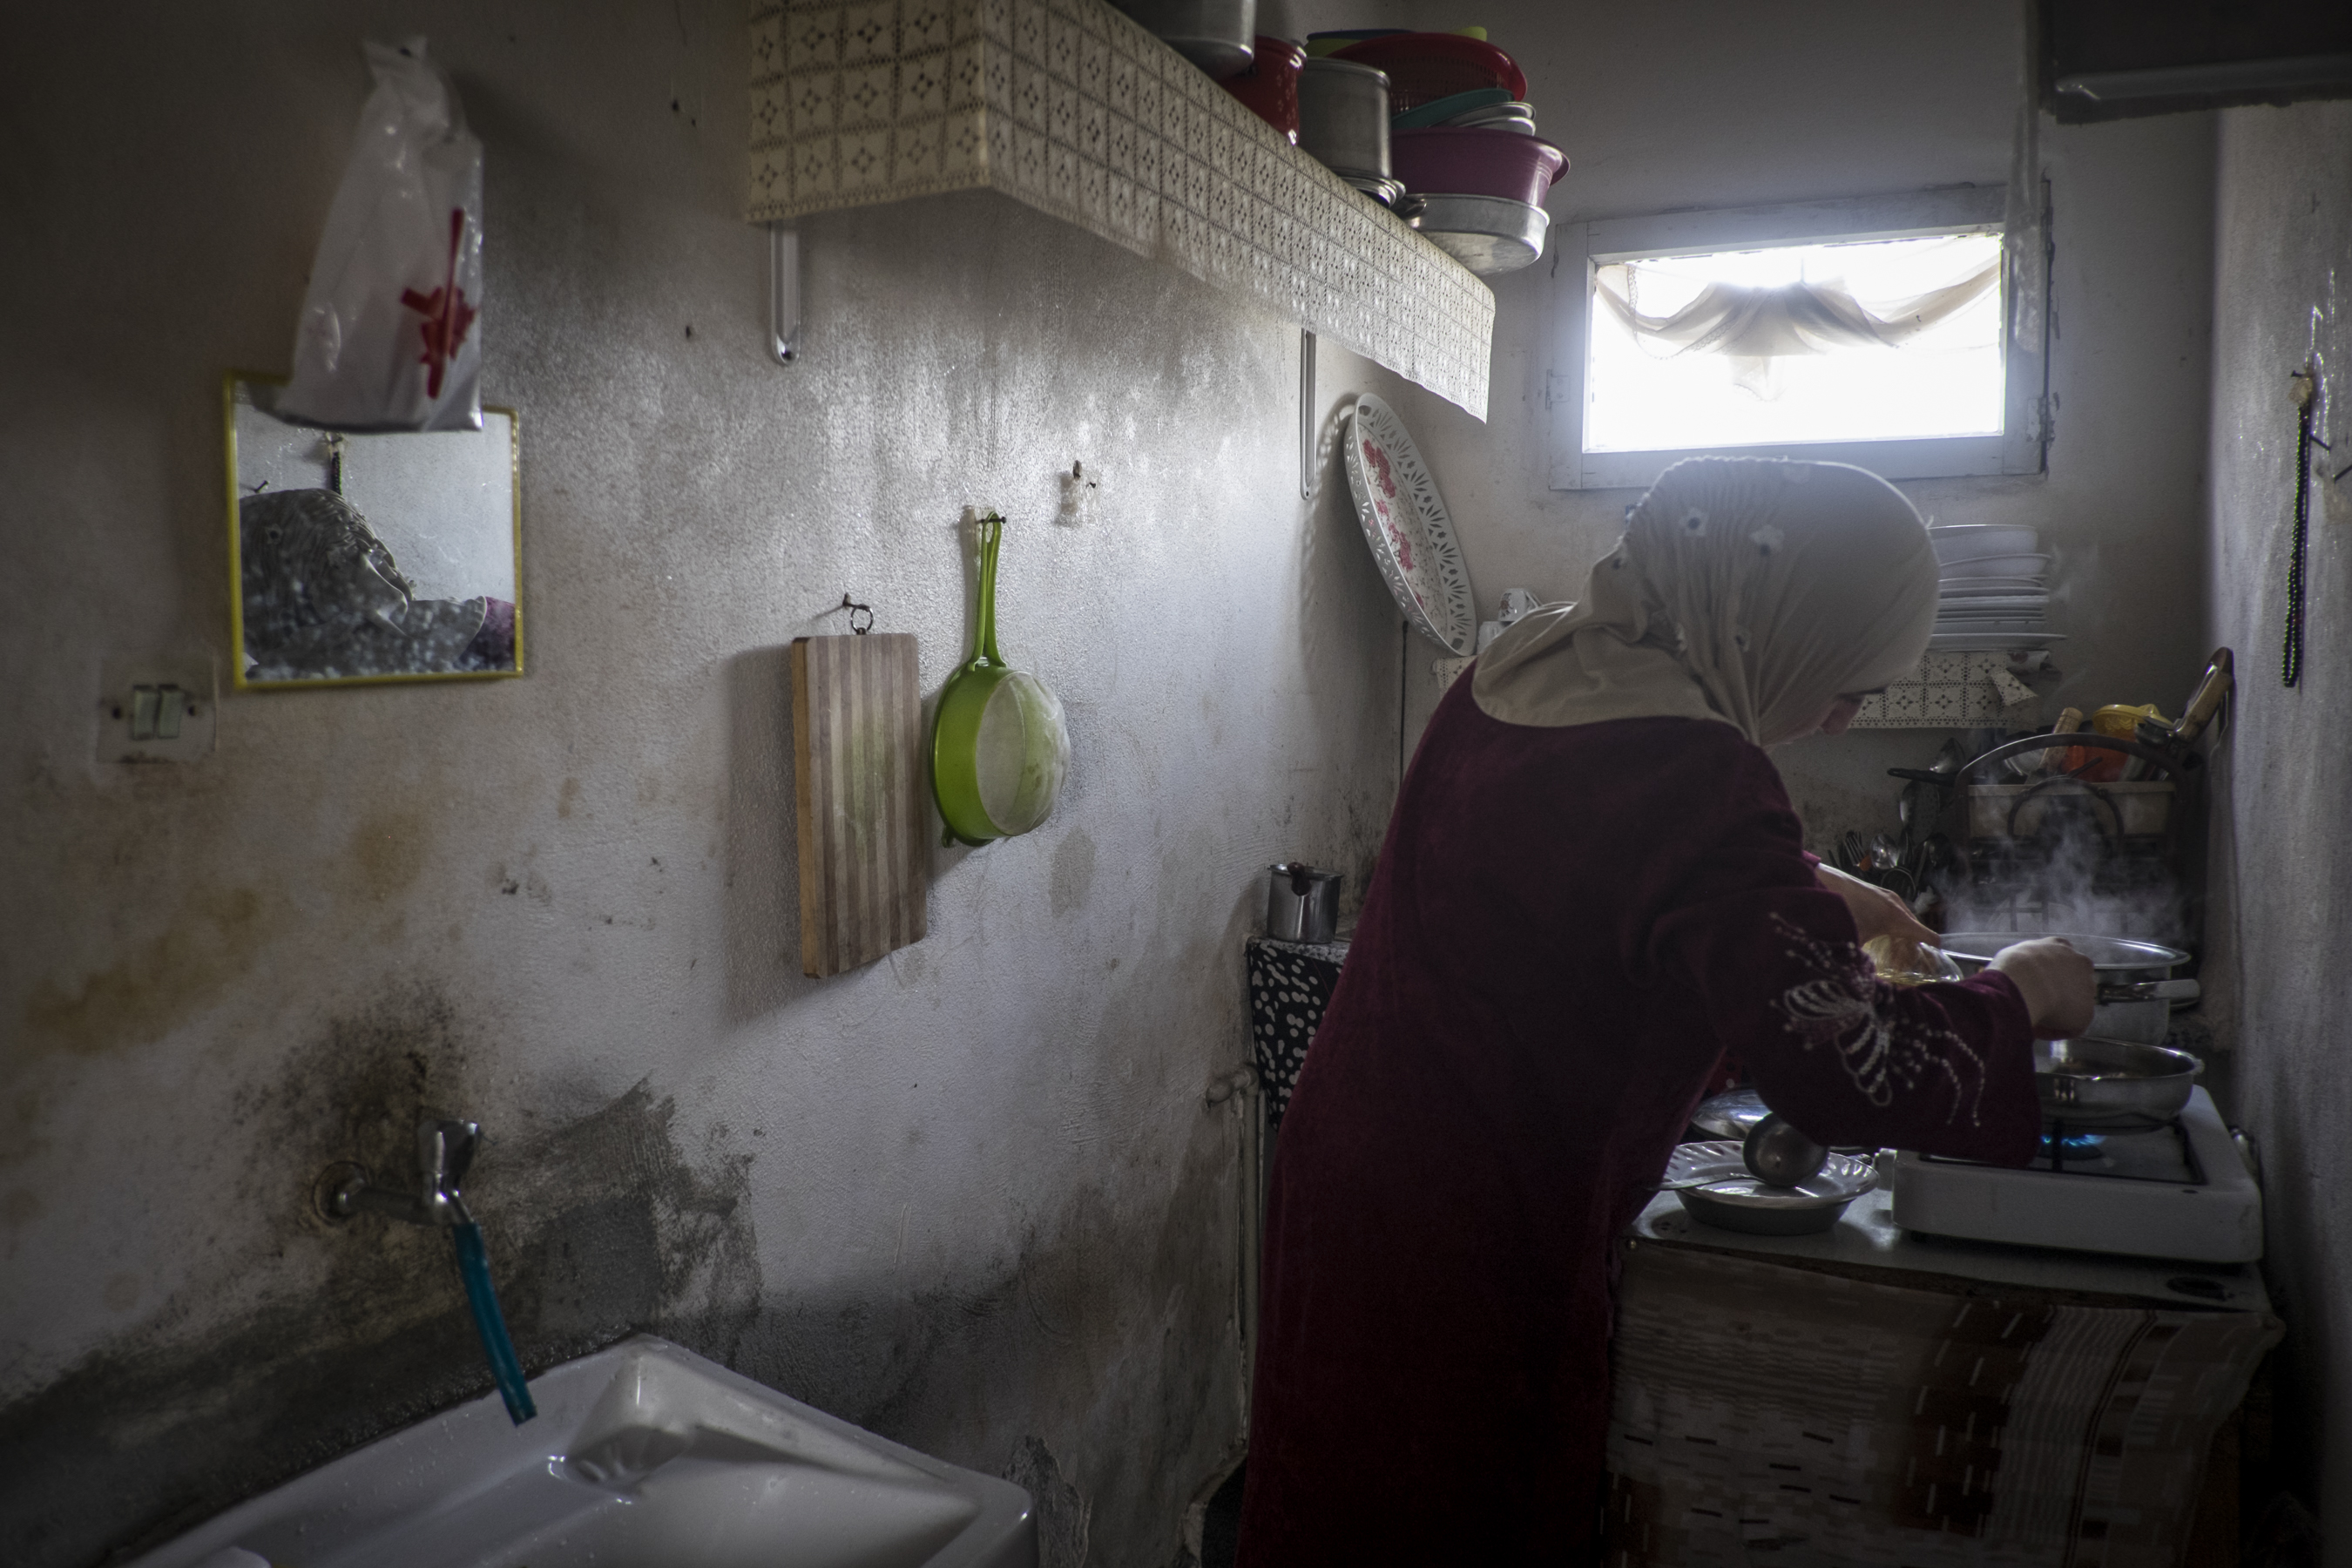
<point x="2091" y="1082"/>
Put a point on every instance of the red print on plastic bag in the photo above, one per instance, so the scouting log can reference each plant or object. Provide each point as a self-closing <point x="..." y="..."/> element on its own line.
<point x="447" y="314"/>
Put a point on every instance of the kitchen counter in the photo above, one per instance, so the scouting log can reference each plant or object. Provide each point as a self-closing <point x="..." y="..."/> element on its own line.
<point x="1866" y="1238"/>
<point x="1863" y="1398"/>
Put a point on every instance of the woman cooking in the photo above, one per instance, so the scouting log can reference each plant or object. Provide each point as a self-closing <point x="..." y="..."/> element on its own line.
<point x="1592" y="888"/>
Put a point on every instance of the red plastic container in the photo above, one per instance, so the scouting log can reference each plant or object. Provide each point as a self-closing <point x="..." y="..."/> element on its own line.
<point x="1470" y="160"/>
<point x="1425" y="66"/>
<point x="1270" y="86"/>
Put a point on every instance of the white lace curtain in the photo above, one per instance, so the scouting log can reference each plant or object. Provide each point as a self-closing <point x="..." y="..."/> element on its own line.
<point x="1754" y="327"/>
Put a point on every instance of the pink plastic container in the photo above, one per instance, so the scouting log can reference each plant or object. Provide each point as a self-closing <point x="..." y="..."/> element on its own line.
<point x="1468" y="160"/>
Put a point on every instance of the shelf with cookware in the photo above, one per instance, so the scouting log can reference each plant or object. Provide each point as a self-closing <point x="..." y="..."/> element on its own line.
<point x="1073" y="109"/>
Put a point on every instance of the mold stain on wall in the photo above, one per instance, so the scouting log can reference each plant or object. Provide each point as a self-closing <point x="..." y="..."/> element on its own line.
<point x="598" y="1227"/>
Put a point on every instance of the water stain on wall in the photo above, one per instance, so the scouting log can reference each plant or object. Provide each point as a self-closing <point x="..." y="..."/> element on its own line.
<point x="209" y="945"/>
<point x="598" y="1227"/>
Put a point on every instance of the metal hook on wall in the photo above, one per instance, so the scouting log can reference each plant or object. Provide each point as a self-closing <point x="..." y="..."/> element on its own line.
<point x="1305" y="415"/>
<point x="783" y="292"/>
<point x="857" y="610"/>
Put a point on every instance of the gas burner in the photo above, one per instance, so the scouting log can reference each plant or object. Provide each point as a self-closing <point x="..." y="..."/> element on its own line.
<point x="2072" y="1151"/>
<point x="2175" y="1188"/>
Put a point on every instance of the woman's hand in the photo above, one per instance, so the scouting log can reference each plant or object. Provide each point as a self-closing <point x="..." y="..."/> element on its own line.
<point x="1876" y="911"/>
<point x="2058" y="983"/>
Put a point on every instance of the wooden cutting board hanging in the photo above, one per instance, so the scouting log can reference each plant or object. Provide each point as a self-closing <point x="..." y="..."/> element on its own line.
<point x="858" y="774"/>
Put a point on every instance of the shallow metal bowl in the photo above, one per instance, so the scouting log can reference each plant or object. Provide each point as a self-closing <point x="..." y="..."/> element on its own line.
<point x="1724" y="1192"/>
<point x="2084" y="1082"/>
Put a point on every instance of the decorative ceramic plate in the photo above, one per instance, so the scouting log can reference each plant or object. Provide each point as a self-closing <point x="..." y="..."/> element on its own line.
<point x="1405" y="521"/>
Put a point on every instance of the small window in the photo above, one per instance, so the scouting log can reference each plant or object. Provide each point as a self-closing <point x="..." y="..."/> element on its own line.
<point x="1877" y="332"/>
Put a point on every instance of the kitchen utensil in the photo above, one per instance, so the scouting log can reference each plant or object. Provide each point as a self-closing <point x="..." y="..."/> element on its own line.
<point x="2088" y="1081"/>
<point x="1425" y="66"/>
<point x="2137" y="990"/>
<point x="2018" y="564"/>
<point x="1487" y="234"/>
<point x="1712" y="1181"/>
<point x="1513" y="116"/>
<point x="1212" y="34"/>
<point x="2212" y="687"/>
<point x="1974" y="540"/>
<point x="1779" y="1155"/>
<point x="1343" y="117"/>
<point x="1730" y="1114"/>
<point x="1405" y="523"/>
<point x="1440" y="111"/>
<point x="1302" y="903"/>
<point x="1268" y="85"/>
<point x="857" y="782"/>
<point x="999" y="751"/>
<point x="1474" y="160"/>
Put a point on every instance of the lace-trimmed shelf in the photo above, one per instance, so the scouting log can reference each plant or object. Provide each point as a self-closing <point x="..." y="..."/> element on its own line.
<point x="1954" y="690"/>
<point x="1071" y="108"/>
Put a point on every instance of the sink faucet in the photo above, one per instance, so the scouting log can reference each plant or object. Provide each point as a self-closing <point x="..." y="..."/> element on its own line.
<point x="444" y="1151"/>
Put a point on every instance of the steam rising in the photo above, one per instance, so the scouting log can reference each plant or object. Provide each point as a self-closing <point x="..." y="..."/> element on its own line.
<point x="2074" y="875"/>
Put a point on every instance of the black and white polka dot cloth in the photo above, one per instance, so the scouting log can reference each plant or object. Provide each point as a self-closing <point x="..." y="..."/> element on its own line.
<point x="1290" y="983"/>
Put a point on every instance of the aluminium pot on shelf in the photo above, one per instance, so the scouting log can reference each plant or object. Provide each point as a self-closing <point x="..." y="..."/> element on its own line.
<point x="1343" y="117"/>
<point x="1215" y="35"/>
<point x="1487" y="234"/>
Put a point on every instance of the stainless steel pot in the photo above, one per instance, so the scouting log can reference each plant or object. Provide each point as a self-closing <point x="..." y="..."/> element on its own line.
<point x="2091" y="1082"/>
<point x="1215" y="35"/>
<point x="2137" y="990"/>
<point x="1343" y="117"/>
<point x="1302" y="903"/>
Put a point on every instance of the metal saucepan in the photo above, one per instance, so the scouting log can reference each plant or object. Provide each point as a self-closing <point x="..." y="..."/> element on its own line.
<point x="2137" y="990"/>
<point x="2088" y="1082"/>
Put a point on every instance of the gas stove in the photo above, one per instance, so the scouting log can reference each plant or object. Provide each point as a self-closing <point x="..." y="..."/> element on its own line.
<point x="2158" y="1188"/>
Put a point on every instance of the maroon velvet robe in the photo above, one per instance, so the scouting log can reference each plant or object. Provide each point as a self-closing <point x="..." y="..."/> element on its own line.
<point x="1566" y="931"/>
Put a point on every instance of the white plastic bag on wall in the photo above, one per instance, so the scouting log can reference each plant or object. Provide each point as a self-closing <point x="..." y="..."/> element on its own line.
<point x="391" y="334"/>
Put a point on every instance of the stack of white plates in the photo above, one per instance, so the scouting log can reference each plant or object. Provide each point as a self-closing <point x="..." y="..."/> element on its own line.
<point x="1995" y="587"/>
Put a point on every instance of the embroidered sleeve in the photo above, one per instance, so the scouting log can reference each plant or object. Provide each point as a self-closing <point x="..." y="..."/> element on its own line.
<point x="1945" y="1070"/>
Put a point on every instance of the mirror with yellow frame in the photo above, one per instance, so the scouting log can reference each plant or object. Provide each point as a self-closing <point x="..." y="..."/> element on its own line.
<point x="361" y="558"/>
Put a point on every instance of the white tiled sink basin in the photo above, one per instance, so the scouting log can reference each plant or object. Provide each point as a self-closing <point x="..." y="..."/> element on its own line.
<point x="643" y="1456"/>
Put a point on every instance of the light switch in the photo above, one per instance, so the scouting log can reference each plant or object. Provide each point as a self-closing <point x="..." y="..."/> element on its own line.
<point x="156" y="710"/>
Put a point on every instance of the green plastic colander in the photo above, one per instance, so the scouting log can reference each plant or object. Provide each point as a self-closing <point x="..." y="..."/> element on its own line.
<point x="999" y="750"/>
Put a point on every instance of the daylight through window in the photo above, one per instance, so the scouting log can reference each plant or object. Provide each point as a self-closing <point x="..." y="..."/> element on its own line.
<point x="1856" y="341"/>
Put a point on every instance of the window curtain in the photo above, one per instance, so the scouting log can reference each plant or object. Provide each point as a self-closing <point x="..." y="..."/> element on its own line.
<point x="1757" y="327"/>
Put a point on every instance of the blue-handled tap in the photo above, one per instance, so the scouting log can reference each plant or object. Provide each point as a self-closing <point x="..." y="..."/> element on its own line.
<point x="445" y="1150"/>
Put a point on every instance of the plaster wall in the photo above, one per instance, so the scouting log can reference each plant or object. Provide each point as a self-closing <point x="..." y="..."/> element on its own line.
<point x="2281" y="877"/>
<point x="970" y="1196"/>
<point x="1696" y="105"/>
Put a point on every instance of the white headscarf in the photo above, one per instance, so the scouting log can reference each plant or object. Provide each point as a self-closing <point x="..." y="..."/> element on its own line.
<point x="1750" y="590"/>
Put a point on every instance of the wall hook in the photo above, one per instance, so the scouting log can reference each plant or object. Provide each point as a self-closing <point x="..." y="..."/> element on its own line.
<point x="783" y="292"/>
<point x="857" y="610"/>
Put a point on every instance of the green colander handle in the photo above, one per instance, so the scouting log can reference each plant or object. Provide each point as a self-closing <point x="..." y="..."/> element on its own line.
<point x="992" y="534"/>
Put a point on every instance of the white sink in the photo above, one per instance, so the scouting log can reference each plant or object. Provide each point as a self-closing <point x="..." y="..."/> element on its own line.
<point x="643" y="1456"/>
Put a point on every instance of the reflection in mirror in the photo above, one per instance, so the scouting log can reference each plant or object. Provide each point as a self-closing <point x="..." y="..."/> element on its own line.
<point x="357" y="558"/>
